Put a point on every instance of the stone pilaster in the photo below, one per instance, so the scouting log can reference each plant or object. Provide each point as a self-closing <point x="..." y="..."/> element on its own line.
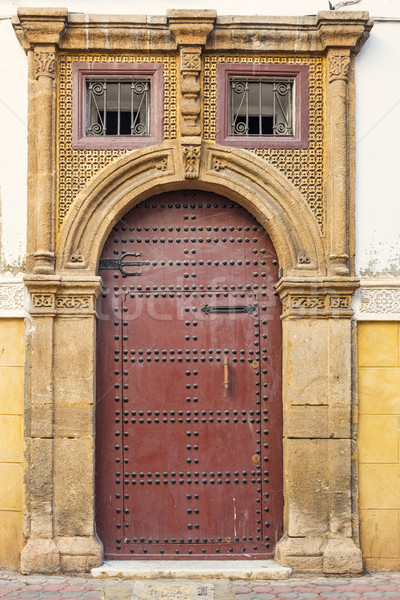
<point x="317" y="436"/>
<point x="40" y="30"/>
<point x="59" y="423"/>
<point x="191" y="29"/>
<point x="338" y="63"/>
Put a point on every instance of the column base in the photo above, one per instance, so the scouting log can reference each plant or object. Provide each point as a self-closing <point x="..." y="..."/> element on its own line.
<point x="341" y="555"/>
<point x="40" y="556"/>
<point x="319" y="554"/>
<point x="79" y="554"/>
<point x="63" y="554"/>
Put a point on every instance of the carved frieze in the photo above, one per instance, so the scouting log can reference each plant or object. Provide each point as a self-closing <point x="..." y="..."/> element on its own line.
<point x="45" y="64"/>
<point x="70" y="301"/>
<point x="316" y="298"/>
<point x="378" y="299"/>
<point x="11" y="299"/>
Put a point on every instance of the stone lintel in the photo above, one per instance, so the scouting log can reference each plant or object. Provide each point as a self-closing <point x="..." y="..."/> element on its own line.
<point x="318" y="297"/>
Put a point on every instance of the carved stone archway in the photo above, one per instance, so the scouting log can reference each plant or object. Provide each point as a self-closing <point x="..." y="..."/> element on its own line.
<point x="316" y="311"/>
<point x="316" y="260"/>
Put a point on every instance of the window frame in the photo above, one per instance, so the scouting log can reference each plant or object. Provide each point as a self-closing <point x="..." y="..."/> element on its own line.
<point x="82" y="71"/>
<point x="299" y="140"/>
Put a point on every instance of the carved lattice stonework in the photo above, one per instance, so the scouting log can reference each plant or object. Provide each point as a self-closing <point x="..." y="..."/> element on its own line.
<point x="76" y="167"/>
<point x="304" y="168"/>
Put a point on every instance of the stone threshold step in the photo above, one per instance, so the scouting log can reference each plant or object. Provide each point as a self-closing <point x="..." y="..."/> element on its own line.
<point x="196" y="569"/>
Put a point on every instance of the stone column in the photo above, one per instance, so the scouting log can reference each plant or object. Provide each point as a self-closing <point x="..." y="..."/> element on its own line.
<point x="317" y="393"/>
<point x="338" y="62"/>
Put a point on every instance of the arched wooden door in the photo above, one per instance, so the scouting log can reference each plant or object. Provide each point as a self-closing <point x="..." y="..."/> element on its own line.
<point x="189" y="417"/>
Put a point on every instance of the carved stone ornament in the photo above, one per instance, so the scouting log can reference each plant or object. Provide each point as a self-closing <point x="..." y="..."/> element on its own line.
<point x="42" y="300"/>
<point x="76" y="257"/>
<point x="75" y="302"/>
<point x="317" y="305"/>
<point x="162" y="165"/>
<point x="11" y="297"/>
<point x="45" y="64"/>
<point x="217" y="164"/>
<point x="190" y="61"/>
<point x="190" y="91"/>
<point x="338" y="67"/>
<point x="303" y="259"/>
<point x="384" y="301"/>
<point x="191" y="161"/>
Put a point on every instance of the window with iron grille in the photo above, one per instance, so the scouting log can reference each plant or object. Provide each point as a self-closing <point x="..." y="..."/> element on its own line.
<point x="262" y="105"/>
<point x="117" y="105"/>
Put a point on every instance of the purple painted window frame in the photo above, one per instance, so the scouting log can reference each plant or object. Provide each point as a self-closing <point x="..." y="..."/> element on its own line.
<point x="299" y="72"/>
<point x="82" y="70"/>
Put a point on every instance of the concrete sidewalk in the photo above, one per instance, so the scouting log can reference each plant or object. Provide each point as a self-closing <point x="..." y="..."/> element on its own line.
<point x="40" y="587"/>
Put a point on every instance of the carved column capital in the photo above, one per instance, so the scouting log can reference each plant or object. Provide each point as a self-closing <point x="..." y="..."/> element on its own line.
<point x="328" y="297"/>
<point x="338" y="65"/>
<point x="45" y="64"/>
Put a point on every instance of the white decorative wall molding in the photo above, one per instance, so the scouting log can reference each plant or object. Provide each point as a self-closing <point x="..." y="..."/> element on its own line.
<point x="12" y="296"/>
<point x="377" y="299"/>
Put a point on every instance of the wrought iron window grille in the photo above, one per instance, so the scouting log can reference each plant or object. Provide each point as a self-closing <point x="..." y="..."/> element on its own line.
<point x="261" y="106"/>
<point x="117" y="107"/>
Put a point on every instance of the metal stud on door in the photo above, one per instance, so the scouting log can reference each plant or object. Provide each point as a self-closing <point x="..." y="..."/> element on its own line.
<point x="189" y="412"/>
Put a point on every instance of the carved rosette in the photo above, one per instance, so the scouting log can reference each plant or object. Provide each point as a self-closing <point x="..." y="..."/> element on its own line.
<point x="190" y="91"/>
<point x="191" y="161"/>
<point x="338" y="67"/>
<point x="45" y="64"/>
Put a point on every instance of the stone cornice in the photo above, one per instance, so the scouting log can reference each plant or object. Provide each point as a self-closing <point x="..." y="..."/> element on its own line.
<point x="38" y="26"/>
<point x="327" y="29"/>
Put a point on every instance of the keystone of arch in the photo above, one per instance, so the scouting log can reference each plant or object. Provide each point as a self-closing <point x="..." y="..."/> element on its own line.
<point x="234" y="173"/>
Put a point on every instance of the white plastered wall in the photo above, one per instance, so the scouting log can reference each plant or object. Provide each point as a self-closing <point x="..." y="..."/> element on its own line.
<point x="378" y="119"/>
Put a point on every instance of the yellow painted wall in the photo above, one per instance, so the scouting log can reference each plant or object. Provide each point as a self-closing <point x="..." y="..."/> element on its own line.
<point x="378" y="443"/>
<point x="12" y="345"/>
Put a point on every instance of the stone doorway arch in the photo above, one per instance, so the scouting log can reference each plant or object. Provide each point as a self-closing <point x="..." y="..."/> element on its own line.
<point x="316" y="360"/>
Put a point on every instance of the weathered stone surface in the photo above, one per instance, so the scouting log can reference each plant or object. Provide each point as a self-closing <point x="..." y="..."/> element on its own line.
<point x="305" y="367"/>
<point x="306" y="466"/>
<point x="73" y="487"/>
<point x="306" y="422"/>
<point x="74" y="420"/>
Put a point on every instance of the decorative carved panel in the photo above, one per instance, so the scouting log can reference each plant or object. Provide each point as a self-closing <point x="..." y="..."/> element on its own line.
<point x="304" y="168"/>
<point x="76" y="167"/>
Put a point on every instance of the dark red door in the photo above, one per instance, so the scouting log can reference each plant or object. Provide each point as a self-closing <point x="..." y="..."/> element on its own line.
<point x="189" y="418"/>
